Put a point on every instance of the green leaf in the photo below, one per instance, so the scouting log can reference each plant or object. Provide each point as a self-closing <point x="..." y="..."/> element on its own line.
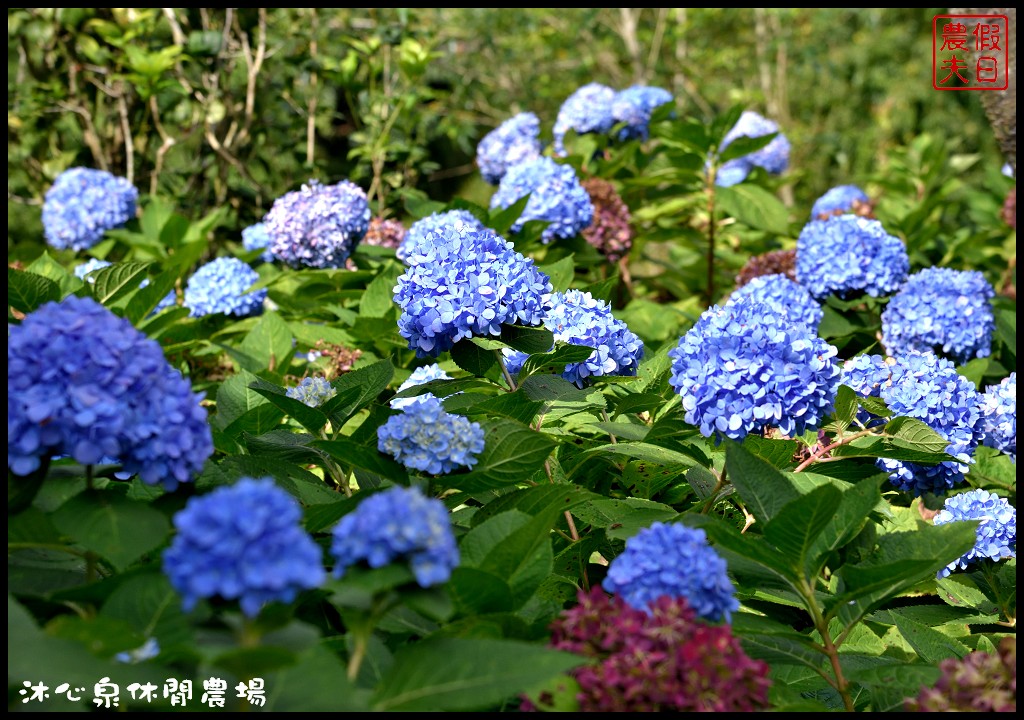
<point x="561" y="273"/>
<point x="875" y="406"/>
<point x="913" y="434"/>
<point x="624" y="518"/>
<point x="846" y="405"/>
<point x="849" y="519"/>
<point x="451" y="675"/>
<point x="638" y="451"/>
<point x="512" y="454"/>
<point x="535" y="500"/>
<point x="115" y="281"/>
<point x="795" y="528"/>
<point x="754" y="206"/>
<point x="527" y="339"/>
<point x="152" y="608"/>
<point x="112" y="526"/>
<point x="744" y="145"/>
<point x="352" y="455"/>
<point x="502" y="219"/>
<point x="311" y="418"/>
<point x="378" y="298"/>
<point x="52" y="270"/>
<point x="931" y="645"/>
<point x="147" y="298"/>
<point x="357" y="389"/>
<point x="777" y="452"/>
<point x="763" y="488"/>
<point x="26" y="291"/>
<point x="235" y="398"/>
<point x="554" y="362"/>
<point x="317" y="683"/>
<point x="751" y="547"/>
<point x="472" y="358"/>
<point x="270" y="345"/>
<point x="959" y="590"/>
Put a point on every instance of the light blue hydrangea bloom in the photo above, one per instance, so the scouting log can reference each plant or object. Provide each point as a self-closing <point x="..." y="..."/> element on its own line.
<point x="556" y="196"/>
<point x="773" y="157"/>
<point x="416" y="245"/>
<point x="634" y="106"/>
<point x="675" y="561"/>
<point x="943" y="310"/>
<point x="999" y="416"/>
<point x="313" y="391"/>
<point x="587" y="110"/>
<point x="515" y="140"/>
<point x="257" y="237"/>
<point x="398" y="525"/>
<point x="243" y="542"/>
<point x="837" y="201"/>
<point x="82" y="204"/>
<point x="791" y="300"/>
<point x="849" y="256"/>
<point x="319" y="225"/>
<point x="425" y="437"/>
<point x="420" y="376"/>
<point x="219" y="287"/>
<point x="997" y="533"/>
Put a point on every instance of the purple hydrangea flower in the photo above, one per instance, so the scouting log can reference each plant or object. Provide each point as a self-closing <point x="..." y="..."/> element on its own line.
<point x="468" y="283"/>
<point x="244" y="542"/>
<point x="743" y="368"/>
<point x="420" y="376"/>
<point x="313" y="391"/>
<point x="425" y="437"/>
<point x="676" y="561"/>
<point x="219" y="287"/>
<point x="556" y="196"/>
<point x="85" y="383"/>
<point x="840" y="199"/>
<point x="257" y="237"/>
<point x="942" y="310"/>
<point x="398" y="525"/>
<point x="928" y="388"/>
<point x="850" y="255"/>
<point x="999" y="416"/>
<point x="418" y="241"/>
<point x="996" y="535"/>
<point x="587" y="110"/>
<point x="319" y="225"/>
<point x="578" y="319"/>
<point x="515" y="140"/>
<point x="773" y="157"/>
<point x="791" y="300"/>
<point x="82" y="204"/>
<point x="634" y="106"/>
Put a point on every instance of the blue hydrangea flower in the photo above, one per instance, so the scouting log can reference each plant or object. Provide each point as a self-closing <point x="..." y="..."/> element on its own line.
<point x="634" y="106"/>
<point x="418" y="241"/>
<point x="942" y="310"/>
<point x="312" y="391"/>
<point x="257" y="237"/>
<point x="245" y="542"/>
<point x="791" y="300"/>
<point x="674" y="561"/>
<point x="420" y="376"/>
<point x="999" y="416"/>
<point x="997" y="533"/>
<point x="743" y="368"/>
<point x="578" y="319"/>
<point x="588" y="110"/>
<point x="839" y="200"/>
<point x="850" y="255"/>
<point x="469" y="283"/>
<point x="926" y="387"/>
<point x="515" y="140"/>
<point x="92" y="264"/>
<point x="773" y="157"/>
<point x="82" y="204"/>
<point x="219" y="287"/>
<point x="398" y="525"/>
<point x="556" y="196"/>
<point x="865" y="375"/>
<point x="319" y="225"/>
<point x="427" y="438"/>
<point x="85" y="383"/>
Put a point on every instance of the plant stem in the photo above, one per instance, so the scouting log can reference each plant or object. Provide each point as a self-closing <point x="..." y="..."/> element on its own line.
<point x="821" y="451"/>
<point x="722" y="482"/>
<point x="710" y="296"/>
<point x="831" y="650"/>
<point x="360" y="642"/>
<point x="505" y="372"/>
<point x="611" y="436"/>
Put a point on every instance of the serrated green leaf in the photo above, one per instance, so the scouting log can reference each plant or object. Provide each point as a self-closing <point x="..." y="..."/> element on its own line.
<point x="777" y="452"/>
<point x="554" y="362"/>
<point x="502" y="219"/>
<point x="763" y="488"/>
<point x="931" y="645"/>
<point x="795" y="528"/>
<point x="147" y="298"/>
<point x="112" y="526"/>
<point x="473" y="358"/>
<point x="754" y="206"/>
<point x="270" y="344"/>
<point x="846" y="405"/>
<point x="352" y="455"/>
<point x="26" y="291"/>
<point x="111" y="283"/>
<point x="311" y="418"/>
<point x="357" y="389"/>
<point x="913" y="434"/>
<point x="527" y="339"/>
<point x="561" y="273"/>
<point x="512" y="454"/>
<point x="378" y="298"/>
<point x="875" y="406"/>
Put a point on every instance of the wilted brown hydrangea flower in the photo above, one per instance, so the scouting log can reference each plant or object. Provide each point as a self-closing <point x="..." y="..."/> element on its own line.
<point x="340" y="358"/>
<point x="384" y="233"/>
<point x="980" y="682"/>
<point x="770" y="263"/>
<point x="610" y="232"/>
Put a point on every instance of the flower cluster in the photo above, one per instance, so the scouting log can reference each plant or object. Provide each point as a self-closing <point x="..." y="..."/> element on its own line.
<point x="313" y="391"/>
<point x="556" y="197"/>
<point x="587" y="110"/>
<point x="244" y="541"/>
<point x="339" y="359"/>
<point x="398" y="525"/>
<point x="611" y="231"/>
<point x="775" y="262"/>
<point x="979" y="682"/>
<point x="676" y="561"/>
<point x="425" y="437"/>
<point x="790" y="299"/>
<point x="996" y="535"/>
<point x="578" y="319"/>
<point x="418" y="242"/>
<point x="514" y="141"/>
<point x="219" y="287"/>
<point x="850" y="255"/>
<point x="85" y="383"/>
<point x="773" y="157"/>
<point x="928" y="388"/>
<point x="660" y="660"/>
<point x="82" y="204"/>
<point x="257" y="237"/>
<point x="743" y="368"/>
<point x="420" y="376"/>
<point x="319" y="225"/>
<point x="634" y="106"/>
<point x="840" y="200"/>
<point x="942" y="310"/>
<point x="384" y="233"/>
<point x="91" y="265"/>
<point x="999" y="416"/>
<point x="468" y="283"/>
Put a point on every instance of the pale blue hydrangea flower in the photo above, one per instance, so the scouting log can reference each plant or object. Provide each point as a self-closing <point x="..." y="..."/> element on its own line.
<point x="257" y="237"/>
<point x="417" y="243"/>
<point x="313" y="391"/>
<point x="996" y="535"/>
<point x="791" y="300"/>
<point x="420" y="376"/>
<point x="838" y="200"/>
<point x="82" y="204"/>
<point x="515" y="140"/>
<point x="556" y="197"/>
<point x="425" y="437"/>
<point x="634" y="106"/>
<point x="773" y="157"/>
<point x="219" y="287"/>
<point x="319" y="225"/>
<point x="587" y="110"/>
<point x="849" y="256"/>
<point x="999" y="416"/>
